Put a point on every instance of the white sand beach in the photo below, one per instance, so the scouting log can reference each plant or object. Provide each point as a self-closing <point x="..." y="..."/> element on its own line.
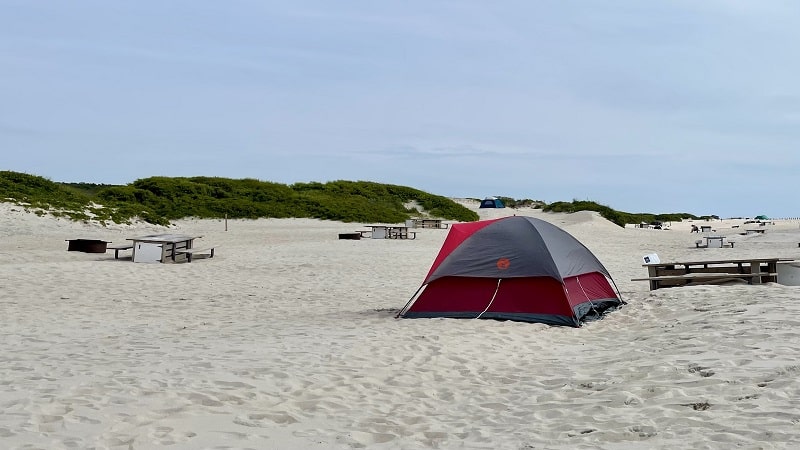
<point x="286" y="339"/>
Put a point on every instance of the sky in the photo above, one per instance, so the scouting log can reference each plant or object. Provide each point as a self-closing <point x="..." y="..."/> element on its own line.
<point x="643" y="106"/>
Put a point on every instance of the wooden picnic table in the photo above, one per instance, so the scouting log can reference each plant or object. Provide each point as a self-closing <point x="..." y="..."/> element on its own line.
<point x="391" y="232"/>
<point x="681" y="273"/>
<point x="162" y="247"/>
<point x="429" y="223"/>
<point x="714" y="241"/>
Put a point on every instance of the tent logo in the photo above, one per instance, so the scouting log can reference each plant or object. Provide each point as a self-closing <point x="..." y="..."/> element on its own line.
<point x="503" y="263"/>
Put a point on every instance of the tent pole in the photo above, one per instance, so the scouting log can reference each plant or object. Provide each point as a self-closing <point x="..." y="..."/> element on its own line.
<point x="619" y="294"/>
<point x="402" y="310"/>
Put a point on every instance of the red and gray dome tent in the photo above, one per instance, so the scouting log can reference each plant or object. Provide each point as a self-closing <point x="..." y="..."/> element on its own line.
<point x="513" y="268"/>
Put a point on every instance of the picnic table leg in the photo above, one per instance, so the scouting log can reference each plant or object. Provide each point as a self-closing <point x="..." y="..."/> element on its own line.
<point x="772" y="267"/>
<point x="651" y="272"/>
<point x="755" y="267"/>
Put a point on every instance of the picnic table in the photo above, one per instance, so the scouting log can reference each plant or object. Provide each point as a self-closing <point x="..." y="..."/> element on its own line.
<point x="682" y="273"/>
<point x="164" y="248"/>
<point x="428" y="223"/>
<point x="391" y="232"/>
<point x="714" y="242"/>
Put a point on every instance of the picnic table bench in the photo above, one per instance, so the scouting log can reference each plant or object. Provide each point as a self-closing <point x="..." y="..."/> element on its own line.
<point x="190" y="252"/>
<point x="119" y="248"/>
<point x="705" y="278"/>
<point x="401" y="233"/>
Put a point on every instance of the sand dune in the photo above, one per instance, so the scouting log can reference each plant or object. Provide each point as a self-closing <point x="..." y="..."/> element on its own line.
<point x="287" y="339"/>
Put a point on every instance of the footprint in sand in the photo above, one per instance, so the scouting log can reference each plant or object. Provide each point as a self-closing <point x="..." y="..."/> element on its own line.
<point x="365" y="439"/>
<point x="168" y="435"/>
<point x="265" y="420"/>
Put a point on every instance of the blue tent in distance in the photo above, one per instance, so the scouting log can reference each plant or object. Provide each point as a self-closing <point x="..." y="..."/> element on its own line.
<point x="492" y="202"/>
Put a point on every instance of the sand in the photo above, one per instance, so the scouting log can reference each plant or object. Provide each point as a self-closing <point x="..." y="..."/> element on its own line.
<point x="287" y="339"/>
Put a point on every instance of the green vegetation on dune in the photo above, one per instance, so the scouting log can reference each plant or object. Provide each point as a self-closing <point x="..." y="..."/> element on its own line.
<point x="520" y="203"/>
<point x="159" y="200"/>
<point x="44" y="196"/>
<point x="618" y="217"/>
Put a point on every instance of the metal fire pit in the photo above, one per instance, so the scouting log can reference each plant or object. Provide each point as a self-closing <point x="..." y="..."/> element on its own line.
<point x="87" y="245"/>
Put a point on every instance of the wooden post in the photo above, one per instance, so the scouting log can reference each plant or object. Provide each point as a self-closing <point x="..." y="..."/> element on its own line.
<point x="755" y="267"/>
<point x="652" y="271"/>
<point x="772" y="267"/>
<point x="226" y="221"/>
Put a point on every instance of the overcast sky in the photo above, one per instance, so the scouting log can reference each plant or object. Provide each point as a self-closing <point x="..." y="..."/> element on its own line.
<point x="644" y="106"/>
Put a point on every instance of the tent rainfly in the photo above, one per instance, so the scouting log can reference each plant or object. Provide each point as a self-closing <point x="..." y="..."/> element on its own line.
<point x="514" y="268"/>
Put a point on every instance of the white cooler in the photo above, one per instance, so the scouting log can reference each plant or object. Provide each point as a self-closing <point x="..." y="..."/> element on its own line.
<point x="146" y="252"/>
